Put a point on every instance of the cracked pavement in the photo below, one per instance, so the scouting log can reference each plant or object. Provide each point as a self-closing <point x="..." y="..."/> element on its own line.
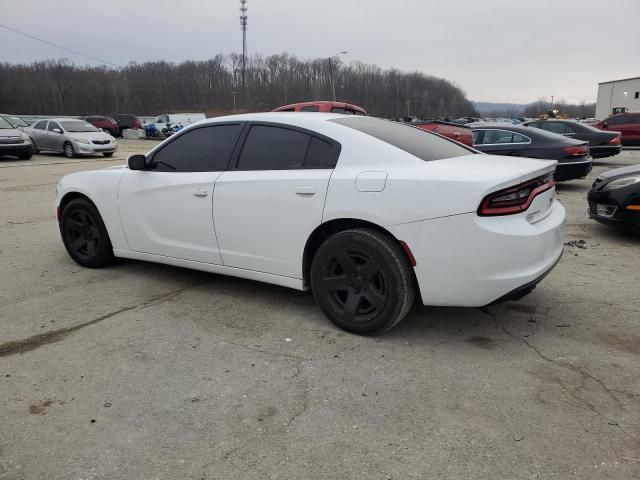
<point x="152" y="372"/>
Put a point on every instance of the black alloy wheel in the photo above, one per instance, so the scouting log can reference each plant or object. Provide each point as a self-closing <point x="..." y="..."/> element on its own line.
<point x="362" y="281"/>
<point x="84" y="234"/>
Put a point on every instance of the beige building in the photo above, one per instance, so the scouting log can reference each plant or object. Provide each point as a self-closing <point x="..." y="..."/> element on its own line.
<point x="618" y="94"/>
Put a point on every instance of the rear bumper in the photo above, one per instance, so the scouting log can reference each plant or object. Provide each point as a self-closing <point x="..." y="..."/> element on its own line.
<point x="16" y="149"/>
<point x="602" y="151"/>
<point x="572" y="170"/>
<point x="470" y="261"/>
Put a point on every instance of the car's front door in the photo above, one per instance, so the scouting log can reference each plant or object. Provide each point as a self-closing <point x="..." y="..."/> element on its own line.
<point x="55" y="138"/>
<point x="268" y="204"/>
<point x="167" y="209"/>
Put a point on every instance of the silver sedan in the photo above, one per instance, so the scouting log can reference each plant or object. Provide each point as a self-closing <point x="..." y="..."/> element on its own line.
<point x="71" y="137"/>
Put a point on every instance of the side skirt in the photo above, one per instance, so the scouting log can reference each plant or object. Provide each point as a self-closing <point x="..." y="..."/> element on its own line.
<point x="290" y="282"/>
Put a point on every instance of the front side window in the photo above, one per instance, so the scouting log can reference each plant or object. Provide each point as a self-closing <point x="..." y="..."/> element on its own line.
<point x="52" y="126"/>
<point x="204" y="149"/>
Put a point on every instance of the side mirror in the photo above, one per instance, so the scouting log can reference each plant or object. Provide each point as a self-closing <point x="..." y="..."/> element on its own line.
<point x="57" y="130"/>
<point x="137" y="162"/>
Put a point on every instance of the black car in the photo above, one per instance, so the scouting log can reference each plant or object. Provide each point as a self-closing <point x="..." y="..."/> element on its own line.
<point x="614" y="197"/>
<point x="601" y="144"/>
<point x="518" y="141"/>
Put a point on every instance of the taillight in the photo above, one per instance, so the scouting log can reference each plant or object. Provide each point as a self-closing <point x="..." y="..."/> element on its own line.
<point x="615" y="140"/>
<point x="575" y="151"/>
<point x="516" y="199"/>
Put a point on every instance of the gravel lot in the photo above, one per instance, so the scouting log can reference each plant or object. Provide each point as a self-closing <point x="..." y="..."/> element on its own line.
<point x="152" y="372"/>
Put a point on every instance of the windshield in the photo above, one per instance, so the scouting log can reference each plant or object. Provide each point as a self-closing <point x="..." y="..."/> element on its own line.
<point x="425" y="145"/>
<point x="4" y="125"/>
<point x="78" y="126"/>
<point x="16" y="121"/>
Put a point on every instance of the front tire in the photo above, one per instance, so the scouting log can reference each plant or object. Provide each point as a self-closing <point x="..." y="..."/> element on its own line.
<point x="362" y="281"/>
<point x="84" y="235"/>
<point x="69" y="152"/>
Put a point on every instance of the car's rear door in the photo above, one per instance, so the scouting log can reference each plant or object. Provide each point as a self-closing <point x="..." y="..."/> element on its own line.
<point x="268" y="204"/>
<point x="167" y="209"/>
<point x="39" y="134"/>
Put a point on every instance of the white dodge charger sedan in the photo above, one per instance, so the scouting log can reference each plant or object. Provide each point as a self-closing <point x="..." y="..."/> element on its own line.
<point x="364" y="212"/>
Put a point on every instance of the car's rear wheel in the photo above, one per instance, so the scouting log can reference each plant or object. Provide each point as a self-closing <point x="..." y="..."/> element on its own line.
<point x="362" y="281"/>
<point x="69" y="152"/>
<point x="84" y="235"/>
<point x="35" y="148"/>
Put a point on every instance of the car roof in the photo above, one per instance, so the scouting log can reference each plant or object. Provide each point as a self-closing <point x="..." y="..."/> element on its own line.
<point x="322" y="102"/>
<point x="293" y="118"/>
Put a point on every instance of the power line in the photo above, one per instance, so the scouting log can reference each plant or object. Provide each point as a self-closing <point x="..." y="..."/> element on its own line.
<point x="61" y="47"/>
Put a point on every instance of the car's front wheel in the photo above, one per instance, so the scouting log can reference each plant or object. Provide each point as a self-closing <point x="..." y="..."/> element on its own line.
<point x="84" y="235"/>
<point x="69" y="152"/>
<point x="362" y="281"/>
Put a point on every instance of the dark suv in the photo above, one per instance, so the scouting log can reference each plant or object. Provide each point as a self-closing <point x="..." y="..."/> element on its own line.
<point x="126" y="121"/>
<point x="628" y="124"/>
<point x="104" y="123"/>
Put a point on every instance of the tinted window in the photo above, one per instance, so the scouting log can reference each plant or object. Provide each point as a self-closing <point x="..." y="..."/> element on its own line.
<point x="424" y="145"/>
<point x="618" y="120"/>
<point x="53" y="125"/>
<point x="273" y="148"/>
<point x="205" y="149"/>
<point x="320" y="154"/>
<point x="555" y="127"/>
<point x="633" y="119"/>
<point x="41" y="125"/>
<point x="534" y="124"/>
<point x="310" y="108"/>
<point x="497" y="137"/>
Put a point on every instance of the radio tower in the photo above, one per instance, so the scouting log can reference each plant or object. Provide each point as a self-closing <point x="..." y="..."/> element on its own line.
<point x="243" y="26"/>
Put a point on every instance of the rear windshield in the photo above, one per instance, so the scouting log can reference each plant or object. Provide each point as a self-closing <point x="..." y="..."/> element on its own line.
<point x="425" y="145"/>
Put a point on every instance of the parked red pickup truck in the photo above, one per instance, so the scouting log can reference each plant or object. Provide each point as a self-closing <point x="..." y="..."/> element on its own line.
<point x="323" y="106"/>
<point x="453" y="131"/>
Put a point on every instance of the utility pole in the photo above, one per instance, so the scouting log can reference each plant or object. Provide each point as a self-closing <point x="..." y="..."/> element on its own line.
<point x="243" y="26"/>
<point x="333" y="78"/>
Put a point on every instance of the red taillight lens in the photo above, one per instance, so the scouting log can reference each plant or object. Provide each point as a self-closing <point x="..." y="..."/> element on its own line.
<point x="515" y="199"/>
<point x="615" y="140"/>
<point x="575" y="151"/>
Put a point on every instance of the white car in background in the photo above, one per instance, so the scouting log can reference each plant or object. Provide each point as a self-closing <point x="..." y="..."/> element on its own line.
<point x="70" y="136"/>
<point x="172" y="119"/>
<point x="364" y="212"/>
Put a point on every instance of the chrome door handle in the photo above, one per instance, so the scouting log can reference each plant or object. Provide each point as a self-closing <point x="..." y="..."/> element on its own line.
<point x="200" y="192"/>
<point x="305" y="191"/>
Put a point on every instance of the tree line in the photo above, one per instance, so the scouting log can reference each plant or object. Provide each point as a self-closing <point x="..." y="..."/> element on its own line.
<point x="571" y="110"/>
<point x="215" y="86"/>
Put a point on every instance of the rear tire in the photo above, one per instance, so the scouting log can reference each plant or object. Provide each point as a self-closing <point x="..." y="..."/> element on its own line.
<point x="84" y="235"/>
<point x="362" y="281"/>
<point x="69" y="152"/>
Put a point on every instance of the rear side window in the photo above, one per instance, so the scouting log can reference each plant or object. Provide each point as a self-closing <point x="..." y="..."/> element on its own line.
<point x="204" y="149"/>
<point x="275" y="148"/>
<point x="618" y="120"/>
<point x="425" y="145"/>
<point x="41" y="125"/>
<point x="310" y="108"/>
<point x="555" y="127"/>
<point x="497" y="137"/>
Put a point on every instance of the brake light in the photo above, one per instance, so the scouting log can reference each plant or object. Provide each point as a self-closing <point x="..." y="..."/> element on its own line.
<point x="615" y="140"/>
<point x="512" y="200"/>
<point x="575" y="151"/>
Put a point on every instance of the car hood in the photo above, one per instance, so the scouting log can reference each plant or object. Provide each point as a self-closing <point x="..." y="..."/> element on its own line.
<point x="620" y="172"/>
<point x="10" y="132"/>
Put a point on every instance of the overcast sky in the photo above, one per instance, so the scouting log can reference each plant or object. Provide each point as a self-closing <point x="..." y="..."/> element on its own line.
<point x="496" y="50"/>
